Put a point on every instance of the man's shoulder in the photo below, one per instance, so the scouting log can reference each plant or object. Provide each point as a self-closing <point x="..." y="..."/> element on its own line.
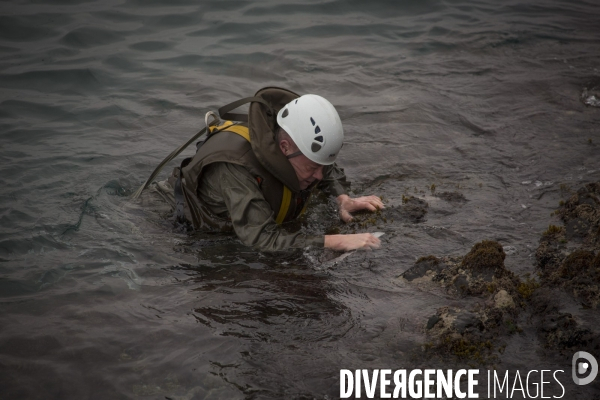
<point x="224" y="172"/>
<point x="224" y="167"/>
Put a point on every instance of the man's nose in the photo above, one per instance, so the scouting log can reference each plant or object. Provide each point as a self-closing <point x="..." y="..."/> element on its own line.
<point x="318" y="175"/>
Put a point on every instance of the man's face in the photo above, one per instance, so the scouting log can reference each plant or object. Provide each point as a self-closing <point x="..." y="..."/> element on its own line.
<point x="307" y="171"/>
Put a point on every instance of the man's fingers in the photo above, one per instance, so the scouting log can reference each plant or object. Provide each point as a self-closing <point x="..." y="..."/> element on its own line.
<point x="376" y="201"/>
<point x="345" y="216"/>
<point x="375" y="242"/>
<point x="372" y="200"/>
<point x="371" y="242"/>
<point x="371" y="203"/>
<point x="370" y="207"/>
<point x="362" y="241"/>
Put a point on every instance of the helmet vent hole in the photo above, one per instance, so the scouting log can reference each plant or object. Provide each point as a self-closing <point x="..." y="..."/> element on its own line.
<point x="315" y="147"/>
<point x="296" y="102"/>
<point x="319" y="139"/>
<point x="317" y="130"/>
<point x="285" y="113"/>
<point x="312" y="121"/>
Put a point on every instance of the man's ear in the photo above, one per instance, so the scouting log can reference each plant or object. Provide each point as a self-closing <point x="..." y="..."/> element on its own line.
<point x="284" y="146"/>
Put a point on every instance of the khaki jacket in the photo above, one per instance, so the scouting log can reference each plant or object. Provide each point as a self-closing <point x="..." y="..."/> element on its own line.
<point x="233" y="197"/>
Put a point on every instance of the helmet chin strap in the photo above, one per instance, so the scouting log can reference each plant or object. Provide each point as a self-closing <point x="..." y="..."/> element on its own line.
<point x="296" y="154"/>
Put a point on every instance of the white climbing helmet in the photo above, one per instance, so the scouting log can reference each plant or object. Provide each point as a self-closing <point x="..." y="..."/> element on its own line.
<point x="315" y="126"/>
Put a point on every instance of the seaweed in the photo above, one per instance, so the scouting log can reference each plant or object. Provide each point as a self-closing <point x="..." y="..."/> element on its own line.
<point x="553" y="230"/>
<point x="485" y="255"/>
<point x="527" y="287"/>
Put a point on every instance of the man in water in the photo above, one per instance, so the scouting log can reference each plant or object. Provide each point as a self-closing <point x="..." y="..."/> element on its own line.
<point x="251" y="179"/>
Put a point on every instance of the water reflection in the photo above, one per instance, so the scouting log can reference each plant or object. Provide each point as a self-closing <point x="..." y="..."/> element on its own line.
<point x="267" y="299"/>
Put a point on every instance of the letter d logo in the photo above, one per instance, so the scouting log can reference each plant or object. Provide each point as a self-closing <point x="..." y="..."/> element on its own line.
<point x="584" y="367"/>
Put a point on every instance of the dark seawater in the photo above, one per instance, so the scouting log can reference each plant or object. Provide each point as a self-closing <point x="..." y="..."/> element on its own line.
<point x="101" y="298"/>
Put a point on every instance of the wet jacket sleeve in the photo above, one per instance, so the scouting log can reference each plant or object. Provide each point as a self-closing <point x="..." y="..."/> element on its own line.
<point x="230" y="189"/>
<point x="334" y="181"/>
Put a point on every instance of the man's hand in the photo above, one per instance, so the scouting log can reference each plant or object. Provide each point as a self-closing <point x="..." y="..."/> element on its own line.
<point x="348" y="205"/>
<point x="365" y="241"/>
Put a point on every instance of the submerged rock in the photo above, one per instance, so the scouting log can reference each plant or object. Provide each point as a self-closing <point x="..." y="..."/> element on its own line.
<point x="577" y="264"/>
<point x="551" y="250"/>
<point x="568" y="262"/>
<point x="413" y="208"/>
<point x="460" y="334"/>
<point x="467" y="322"/>
<point x="425" y="266"/>
<point x="559" y="330"/>
<point x="562" y="332"/>
<point x="434" y="319"/>
<point x="452" y="197"/>
<point x="575" y="270"/>
<point x="581" y="214"/>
